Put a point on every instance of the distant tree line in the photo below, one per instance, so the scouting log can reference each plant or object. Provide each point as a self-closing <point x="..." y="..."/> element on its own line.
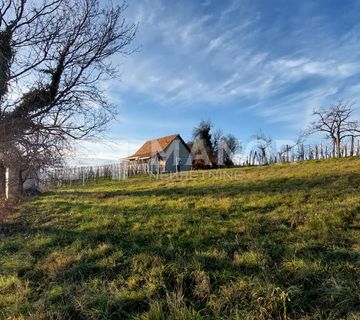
<point x="212" y="149"/>
<point x="337" y="125"/>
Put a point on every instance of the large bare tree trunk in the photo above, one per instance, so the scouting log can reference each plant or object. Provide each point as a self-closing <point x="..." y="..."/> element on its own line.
<point x="15" y="184"/>
<point x="2" y="182"/>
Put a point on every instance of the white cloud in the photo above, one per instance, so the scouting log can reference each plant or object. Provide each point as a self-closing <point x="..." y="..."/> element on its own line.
<point x="102" y="151"/>
<point x="188" y="57"/>
<point x="300" y="68"/>
<point x="296" y="109"/>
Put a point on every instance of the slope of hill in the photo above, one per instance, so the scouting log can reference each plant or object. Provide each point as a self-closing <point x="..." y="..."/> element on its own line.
<point x="277" y="242"/>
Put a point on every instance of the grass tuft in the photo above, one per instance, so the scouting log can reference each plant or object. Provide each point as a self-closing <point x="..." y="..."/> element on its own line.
<point x="277" y="242"/>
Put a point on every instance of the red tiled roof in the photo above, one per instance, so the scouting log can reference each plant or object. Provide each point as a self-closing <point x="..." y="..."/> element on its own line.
<point x="151" y="147"/>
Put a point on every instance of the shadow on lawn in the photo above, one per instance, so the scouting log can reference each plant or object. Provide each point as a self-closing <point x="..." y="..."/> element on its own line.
<point x="184" y="254"/>
<point x="233" y="187"/>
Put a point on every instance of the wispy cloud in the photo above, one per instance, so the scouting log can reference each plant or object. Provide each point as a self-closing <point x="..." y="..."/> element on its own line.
<point x="245" y="63"/>
<point x="190" y="56"/>
<point x="103" y="151"/>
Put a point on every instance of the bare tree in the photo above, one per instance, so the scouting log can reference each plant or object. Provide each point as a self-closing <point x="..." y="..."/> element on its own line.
<point x="228" y="147"/>
<point x="53" y="55"/>
<point x="337" y="123"/>
<point x="263" y="144"/>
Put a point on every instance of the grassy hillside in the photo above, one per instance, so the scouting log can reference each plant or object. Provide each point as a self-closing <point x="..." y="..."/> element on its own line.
<point x="279" y="242"/>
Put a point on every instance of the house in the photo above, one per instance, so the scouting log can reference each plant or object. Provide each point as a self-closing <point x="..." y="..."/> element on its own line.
<point x="166" y="154"/>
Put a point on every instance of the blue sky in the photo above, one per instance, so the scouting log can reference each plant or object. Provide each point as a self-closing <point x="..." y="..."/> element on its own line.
<point x="244" y="64"/>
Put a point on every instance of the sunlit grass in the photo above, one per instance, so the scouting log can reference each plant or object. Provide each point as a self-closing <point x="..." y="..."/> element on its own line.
<point x="277" y="242"/>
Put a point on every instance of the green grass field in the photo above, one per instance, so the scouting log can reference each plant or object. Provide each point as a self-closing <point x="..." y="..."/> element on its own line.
<point x="277" y="242"/>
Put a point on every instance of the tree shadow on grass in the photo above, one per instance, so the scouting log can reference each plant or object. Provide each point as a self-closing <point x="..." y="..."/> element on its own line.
<point x="258" y="252"/>
<point x="186" y="259"/>
<point x="234" y="187"/>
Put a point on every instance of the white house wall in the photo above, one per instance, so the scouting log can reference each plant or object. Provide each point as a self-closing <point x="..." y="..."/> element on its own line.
<point x="178" y="151"/>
